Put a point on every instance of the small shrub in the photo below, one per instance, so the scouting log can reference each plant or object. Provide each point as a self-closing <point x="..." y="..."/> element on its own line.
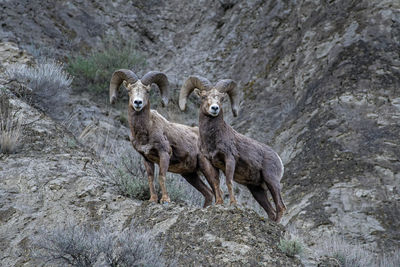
<point x="93" y="71"/>
<point x="48" y="81"/>
<point x="132" y="248"/>
<point x="132" y="186"/>
<point x="123" y="119"/>
<point x="291" y="246"/>
<point x="124" y="168"/>
<point x="83" y="246"/>
<point x="131" y="179"/>
<point x="177" y="188"/>
<point x="71" y="143"/>
<point x="73" y="245"/>
<point x="10" y="127"/>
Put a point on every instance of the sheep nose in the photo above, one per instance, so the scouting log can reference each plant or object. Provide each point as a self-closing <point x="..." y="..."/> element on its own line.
<point x="138" y="102"/>
<point x="214" y="108"/>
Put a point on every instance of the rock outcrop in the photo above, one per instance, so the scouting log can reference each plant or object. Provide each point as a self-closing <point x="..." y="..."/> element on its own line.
<point x="215" y="236"/>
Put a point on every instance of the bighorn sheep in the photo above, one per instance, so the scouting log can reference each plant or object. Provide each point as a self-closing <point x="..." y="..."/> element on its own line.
<point x="174" y="147"/>
<point x="241" y="158"/>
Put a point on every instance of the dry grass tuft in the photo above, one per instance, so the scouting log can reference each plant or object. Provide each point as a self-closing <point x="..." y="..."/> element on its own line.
<point x="390" y="259"/>
<point x="10" y="127"/>
<point x="347" y="254"/>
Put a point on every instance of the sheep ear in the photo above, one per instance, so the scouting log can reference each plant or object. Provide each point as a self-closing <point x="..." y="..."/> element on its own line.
<point x="125" y="84"/>
<point x="197" y="92"/>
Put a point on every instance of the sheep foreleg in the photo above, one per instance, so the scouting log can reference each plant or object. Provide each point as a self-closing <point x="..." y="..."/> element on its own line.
<point x="150" y="175"/>
<point x="164" y="164"/>
<point x="212" y="176"/>
<point x="229" y="172"/>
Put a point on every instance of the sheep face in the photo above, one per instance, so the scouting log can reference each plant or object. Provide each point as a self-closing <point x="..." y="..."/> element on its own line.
<point x="139" y="95"/>
<point x="211" y="101"/>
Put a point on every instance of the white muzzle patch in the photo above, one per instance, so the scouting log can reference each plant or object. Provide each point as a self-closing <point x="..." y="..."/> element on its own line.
<point x="214" y="110"/>
<point x="137" y="104"/>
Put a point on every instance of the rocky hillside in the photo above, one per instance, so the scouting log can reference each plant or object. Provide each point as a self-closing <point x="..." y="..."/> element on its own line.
<point x="54" y="180"/>
<point x="320" y="83"/>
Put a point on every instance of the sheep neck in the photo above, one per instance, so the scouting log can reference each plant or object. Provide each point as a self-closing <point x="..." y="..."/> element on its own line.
<point x="139" y="122"/>
<point x="211" y="130"/>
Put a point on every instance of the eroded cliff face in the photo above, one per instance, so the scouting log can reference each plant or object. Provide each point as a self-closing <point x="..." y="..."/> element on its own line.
<point x="321" y="85"/>
<point x="320" y="82"/>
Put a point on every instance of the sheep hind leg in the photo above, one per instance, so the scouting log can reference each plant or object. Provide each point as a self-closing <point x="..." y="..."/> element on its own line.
<point x="261" y="197"/>
<point x="275" y="189"/>
<point x="196" y="182"/>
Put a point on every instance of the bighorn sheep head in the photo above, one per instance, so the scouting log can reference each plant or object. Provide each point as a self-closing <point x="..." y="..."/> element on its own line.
<point x="138" y="89"/>
<point x="211" y="96"/>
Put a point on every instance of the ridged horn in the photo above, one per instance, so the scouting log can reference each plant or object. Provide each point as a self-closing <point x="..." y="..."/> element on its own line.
<point x="117" y="78"/>
<point x="229" y="86"/>
<point x="190" y="84"/>
<point x="161" y="80"/>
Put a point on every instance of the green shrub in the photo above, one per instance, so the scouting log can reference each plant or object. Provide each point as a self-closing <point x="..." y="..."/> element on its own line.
<point x="93" y="71"/>
<point x="123" y="119"/>
<point x="291" y="246"/>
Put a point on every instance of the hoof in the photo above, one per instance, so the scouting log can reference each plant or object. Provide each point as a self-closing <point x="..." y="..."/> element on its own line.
<point x="165" y="200"/>
<point x="278" y="217"/>
<point x="207" y="202"/>
<point x="272" y="216"/>
<point x="153" y="199"/>
<point x="219" y="202"/>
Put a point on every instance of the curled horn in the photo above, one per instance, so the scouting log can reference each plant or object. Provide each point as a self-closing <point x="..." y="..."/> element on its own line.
<point x="161" y="80"/>
<point x="229" y="86"/>
<point x="190" y="84"/>
<point x="117" y="78"/>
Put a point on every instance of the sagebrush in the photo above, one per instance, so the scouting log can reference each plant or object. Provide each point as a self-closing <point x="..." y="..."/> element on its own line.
<point x="48" y="82"/>
<point x="78" y="245"/>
